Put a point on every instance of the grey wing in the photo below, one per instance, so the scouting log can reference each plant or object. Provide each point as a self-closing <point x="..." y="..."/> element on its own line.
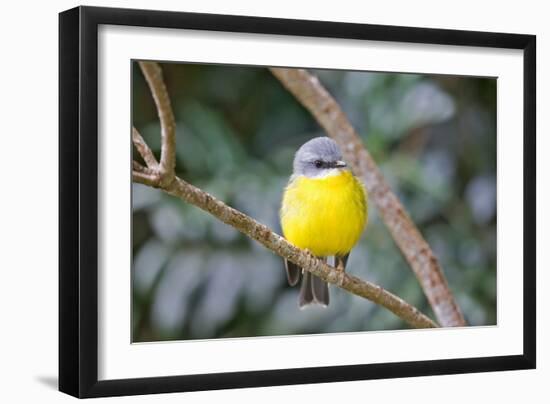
<point x="292" y="272"/>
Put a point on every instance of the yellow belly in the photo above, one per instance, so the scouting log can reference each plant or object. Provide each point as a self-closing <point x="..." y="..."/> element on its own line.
<point x="325" y="215"/>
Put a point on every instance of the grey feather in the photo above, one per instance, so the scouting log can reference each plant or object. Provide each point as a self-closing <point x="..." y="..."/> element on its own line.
<point x="313" y="290"/>
<point x="292" y="272"/>
<point x="306" y="295"/>
<point x="319" y="289"/>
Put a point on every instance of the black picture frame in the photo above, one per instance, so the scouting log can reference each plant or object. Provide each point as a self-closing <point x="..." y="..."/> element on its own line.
<point x="78" y="201"/>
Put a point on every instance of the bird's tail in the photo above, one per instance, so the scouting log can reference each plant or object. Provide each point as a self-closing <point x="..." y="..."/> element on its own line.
<point x="313" y="289"/>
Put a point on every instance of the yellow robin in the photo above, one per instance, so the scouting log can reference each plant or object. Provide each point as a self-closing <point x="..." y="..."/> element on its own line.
<point x="324" y="211"/>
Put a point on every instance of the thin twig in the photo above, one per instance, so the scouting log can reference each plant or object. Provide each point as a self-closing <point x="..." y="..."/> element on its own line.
<point x="283" y="248"/>
<point x="153" y="76"/>
<point x="143" y="149"/>
<point x="145" y="178"/>
<point x="307" y="89"/>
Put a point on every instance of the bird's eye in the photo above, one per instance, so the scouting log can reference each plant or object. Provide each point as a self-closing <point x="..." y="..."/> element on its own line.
<point x="318" y="163"/>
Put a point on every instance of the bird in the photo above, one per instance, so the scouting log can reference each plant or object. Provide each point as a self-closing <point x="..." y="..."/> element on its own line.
<point x="324" y="210"/>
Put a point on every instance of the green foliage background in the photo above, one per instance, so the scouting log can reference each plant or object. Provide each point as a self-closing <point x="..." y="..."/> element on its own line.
<point x="434" y="138"/>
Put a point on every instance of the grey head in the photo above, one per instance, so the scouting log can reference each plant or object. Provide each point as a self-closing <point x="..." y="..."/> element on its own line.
<point x="318" y="157"/>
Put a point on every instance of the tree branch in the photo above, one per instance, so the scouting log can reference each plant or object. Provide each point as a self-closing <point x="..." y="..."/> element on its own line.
<point x="283" y="248"/>
<point x="153" y="76"/>
<point x="143" y="149"/>
<point x="307" y="89"/>
<point x="268" y="238"/>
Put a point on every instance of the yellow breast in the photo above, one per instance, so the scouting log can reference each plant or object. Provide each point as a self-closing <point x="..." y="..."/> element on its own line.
<point x="325" y="215"/>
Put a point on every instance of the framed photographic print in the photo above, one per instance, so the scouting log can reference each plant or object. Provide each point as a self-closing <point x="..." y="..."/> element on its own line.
<point x="251" y="201"/>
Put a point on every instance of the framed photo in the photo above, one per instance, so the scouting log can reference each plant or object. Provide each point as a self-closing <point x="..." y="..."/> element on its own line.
<point x="252" y="201"/>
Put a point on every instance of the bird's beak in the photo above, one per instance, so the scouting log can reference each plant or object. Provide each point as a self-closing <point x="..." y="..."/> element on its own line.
<point x="340" y="164"/>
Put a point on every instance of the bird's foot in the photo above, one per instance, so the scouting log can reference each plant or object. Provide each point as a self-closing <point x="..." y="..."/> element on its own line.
<point x="310" y="256"/>
<point x="341" y="272"/>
